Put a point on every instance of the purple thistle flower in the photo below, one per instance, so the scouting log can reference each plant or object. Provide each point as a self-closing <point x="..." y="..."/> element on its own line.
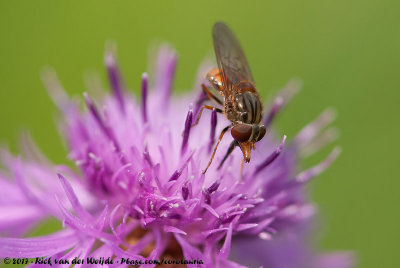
<point x="140" y="192"/>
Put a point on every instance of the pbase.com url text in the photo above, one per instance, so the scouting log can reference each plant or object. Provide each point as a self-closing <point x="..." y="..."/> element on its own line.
<point x="97" y="261"/>
<point x="159" y="262"/>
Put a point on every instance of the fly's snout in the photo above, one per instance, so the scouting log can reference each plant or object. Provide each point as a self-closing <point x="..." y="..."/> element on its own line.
<point x="246" y="148"/>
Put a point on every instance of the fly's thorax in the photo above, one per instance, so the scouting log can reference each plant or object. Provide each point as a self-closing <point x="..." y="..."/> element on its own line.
<point x="247" y="108"/>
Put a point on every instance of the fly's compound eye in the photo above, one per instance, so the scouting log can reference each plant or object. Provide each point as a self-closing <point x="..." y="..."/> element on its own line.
<point x="242" y="132"/>
<point x="263" y="130"/>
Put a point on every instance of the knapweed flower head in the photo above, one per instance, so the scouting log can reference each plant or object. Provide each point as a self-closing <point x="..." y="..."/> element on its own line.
<point x="138" y="191"/>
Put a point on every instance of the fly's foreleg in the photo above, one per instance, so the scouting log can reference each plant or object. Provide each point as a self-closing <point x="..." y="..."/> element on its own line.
<point x="216" y="146"/>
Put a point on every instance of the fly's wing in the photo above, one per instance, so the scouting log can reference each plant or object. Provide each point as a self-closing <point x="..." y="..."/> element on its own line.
<point x="232" y="63"/>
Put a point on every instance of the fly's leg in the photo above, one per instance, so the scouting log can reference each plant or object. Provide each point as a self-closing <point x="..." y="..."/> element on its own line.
<point x="216" y="146"/>
<point x="212" y="95"/>
<point x="209" y="96"/>
<point x="201" y="111"/>
<point x="232" y="146"/>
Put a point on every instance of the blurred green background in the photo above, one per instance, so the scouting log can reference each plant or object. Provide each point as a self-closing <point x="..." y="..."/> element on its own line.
<point x="346" y="52"/>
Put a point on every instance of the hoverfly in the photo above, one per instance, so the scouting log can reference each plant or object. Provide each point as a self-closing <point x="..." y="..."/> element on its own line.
<point x="236" y="94"/>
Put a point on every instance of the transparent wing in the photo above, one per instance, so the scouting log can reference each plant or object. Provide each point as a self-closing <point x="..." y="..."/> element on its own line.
<point x="232" y="63"/>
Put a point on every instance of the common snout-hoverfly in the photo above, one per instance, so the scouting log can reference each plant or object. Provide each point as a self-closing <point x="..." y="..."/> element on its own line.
<point x="234" y="91"/>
